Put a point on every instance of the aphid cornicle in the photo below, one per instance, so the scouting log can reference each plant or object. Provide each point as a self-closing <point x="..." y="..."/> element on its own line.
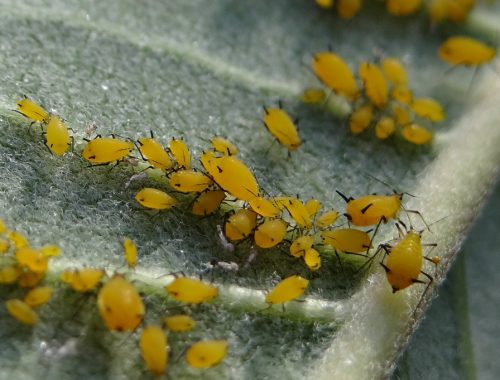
<point x="57" y="136"/>
<point x="460" y="50"/>
<point x="282" y="127"/>
<point x="154" y="153"/>
<point x="207" y="353"/>
<point x="32" y="111"/>
<point x="191" y="290"/>
<point x="155" y="199"/>
<point x="287" y="290"/>
<point x="335" y="74"/>
<point x="154" y="349"/>
<point x="104" y="150"/>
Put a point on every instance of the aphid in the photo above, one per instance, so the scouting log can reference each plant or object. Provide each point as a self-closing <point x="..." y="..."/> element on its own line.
<point x="4" y="245"/>
<point x="313" y="95"/>
<point x="154" y="153"/>
<point x="325" y="4"/>
<point x="347" y="9"/>
<point x="270" y="233"/>
<point x="3" y="227"/>
<point x="232" y="175"/>
<point x="385" y="127"/>
<point x="401" y="115"/>
<point x="240" y="225"/>
<point x="32" y="259"/>
<point x="402" y="94"/>
<point x="347" y="240"/>
<point x="361" y="118"/>
<point x="120" y="305"/>
<point x="335" y="74"/>
<point x="416" y="134"/>
<point x="287" y="290"/>
<point x="18" y="239"/>
<point x="282" y="127"/>
<point x="32" y="110"/>
<point x="154" y="349"/>
<point x="179" y="323"/>
<point x="181" y="154"/>
<point x="326" y="219"/>
<point x="395" y="71"/>
<point x="403" y="7"/>
<point x="313" y="206"/>
<point x="312" y="259"/>
<point x="467" y="51"/>
<point x="458" y="10"/>
<point x="104" y="150"/>
<point x="189" y="181"/>
<point x="29" y="279"/>
<point x="57" y="136"/>
<point x="22" y="312"/>
<point x="208" y="202"/>
<point x="298" y="212"/>
<point x="207" y="353"/>
<point x="224" y="146"/>
<point x="38" y="296"/>
<point x="155" y="199"/>
<point x="130" y="252"/>
<point x="375" y="84"/>
<point x="50" y="250"/>
<point x="428" y="108"/>
<point x="223" y="240"/>
<point x="9" y="274"/>
<point x="300" y="245"/>
<point x="264" y="207"/>
<point x="83" y="280"/>
<point x="191" y="290"/>
<point x="438" y="10"/>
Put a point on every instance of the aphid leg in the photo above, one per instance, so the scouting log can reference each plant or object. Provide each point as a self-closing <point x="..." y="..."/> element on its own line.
<point x="338" y="259"/>
<point x="382" y="219"/>
<point x="431" y="281"/>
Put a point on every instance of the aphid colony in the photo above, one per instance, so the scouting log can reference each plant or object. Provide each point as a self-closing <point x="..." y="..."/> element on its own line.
<point x="438" y="10"/>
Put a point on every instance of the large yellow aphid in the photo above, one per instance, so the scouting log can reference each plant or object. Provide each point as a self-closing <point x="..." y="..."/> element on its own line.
<point x="375" y="84"/>
<point x="403" y="7"/>
<point x="207" y="353"/>
<point x="120" y="305"/>
<point x="57" y="135"/>
<point x="361" y="118"/>
<point x="240" y="225"/>
<point x="32" y="111"/>
<point x="287" y="290"/>
<point x="372" y="209"/>
<point x="179" y="323"/>
<point x="22" y="312"/>
<point x="155" y="199"/>
<point x="191" y="290"/>
<point x="104" y="150"/>
<point x="347" y="9"/>
<point x="32" y="259"/>
<point x="460" y="50"/>
<point x="335" y="74"/>
<point x="38" y="296"/>
<point x="385" y="127"/>
<point x="270" y="233"/>
<point x="264" y="207"/>
<point x="428" y="108"/>
<point x="189" y="181"/>
<point x="208" y="202"/>
<point x="281" y="126"/>
<point x="154" y="153"/>
<point x="347" y="240"/>
<point x="416" y="134"/>
<point x="395" y="71"/>
<point x="83" y="280"/>
<point x="130" y="252"/>
<point x="224" y="146"/>
<point x="180" y="151"/>
<point x="154" y="349"/>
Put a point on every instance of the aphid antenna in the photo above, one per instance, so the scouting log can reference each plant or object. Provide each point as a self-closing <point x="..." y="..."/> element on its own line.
<point x="408" y="212"/>
<point x="344" y="197"/>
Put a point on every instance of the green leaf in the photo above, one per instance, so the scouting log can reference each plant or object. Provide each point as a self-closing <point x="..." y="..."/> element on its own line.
<point x="195" y="69"/>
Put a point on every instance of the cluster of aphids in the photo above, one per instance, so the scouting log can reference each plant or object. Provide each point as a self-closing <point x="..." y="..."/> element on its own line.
<point x="439" y="10"/>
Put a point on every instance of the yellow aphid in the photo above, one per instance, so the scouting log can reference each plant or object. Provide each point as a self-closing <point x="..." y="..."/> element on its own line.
<point x="29" y="279"/>
<point x="428" y="108"/>
<point x="83" y="280"/>
<point x="312" y="259"/>
<point x="154" y="153"/>
<point x="270" y="233"/>
<point x="467" y="51"/>
<point x="298" y="212"/>
<point x="325" y="4"/>
<point x="3" y="227"/>
<point x="191" y="290"/>
<point x="18" y="239"/>
<point x="50" y="250"/>
<point x="4" y="245"/>
<point x="326" y="219"/>
<point x="154" y="349"/>
<point x="208" y="202"/>
<point x="281" y="126"/>
<point x="313" y="95"/>
<point x="179" y="323"/>
<point x="385" y="127"/>
<point x="224" y="146"/>
<point x="155" y="199"/>
<point x="348" y="240"/>
<point x="264" y="207"/>
<point x="120" y="305"/>
<point x="402" y="94"/>
<point x="313" y="206"/>
<point x="9" y="274"/>
<point x="233" y="176"/>
<point x="32" y="110"/>
<point x="335" y="74"/>
<point x="130" y="252"/>
<point x="206" y="354"/>
<point x="403" y="7"/>
<point x="240" y="225"/>
<point x="189" y="181"/>
<point x="104" y="150"/>
<point x="57" y="136"/>
<point x="287" y="290"/>
<point x="401" y="115"/>
<point x="416" y="134"/>
<point x="208" y="159"/>
<point x="32" y="259"/>
<point x="395" y="71"/>
<point x="22" y="312"/>
<point x="38" y="296"/>
<point x="438" y="10"/>
<point x="181" y="154"/>
<point x="458" y="10"/>
<point x="375" y="84"/>
<point x="361" y="118"/>
<point x="300" y="245"/>
<point x="371" y="209"/>
<point x="347" y="9"/>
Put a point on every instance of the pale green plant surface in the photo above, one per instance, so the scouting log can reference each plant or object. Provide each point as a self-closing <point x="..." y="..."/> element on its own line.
<point x="196" y="69"/>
